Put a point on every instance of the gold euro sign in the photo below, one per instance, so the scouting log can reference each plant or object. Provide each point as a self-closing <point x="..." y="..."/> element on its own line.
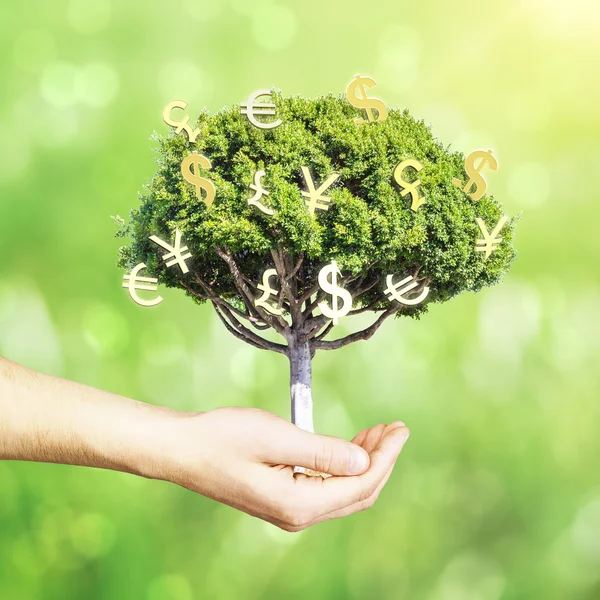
<point x="328" y="282"/>
<point x="410" y="188"/>
<point x="134" y="282"/>
<point x="179" y="125"/>
<point x="485" y="159"/>
<point x="197" y="160"/>
<point x="357" y="96"/>
<point x="252" y="109"/>
<point x="397" y="291"/>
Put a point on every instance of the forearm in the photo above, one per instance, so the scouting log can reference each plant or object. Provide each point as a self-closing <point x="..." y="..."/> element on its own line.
<point x="47" y="419"/>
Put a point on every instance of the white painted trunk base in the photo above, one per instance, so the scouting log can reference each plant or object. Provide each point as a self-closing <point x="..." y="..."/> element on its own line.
<point x="301" y="392"/>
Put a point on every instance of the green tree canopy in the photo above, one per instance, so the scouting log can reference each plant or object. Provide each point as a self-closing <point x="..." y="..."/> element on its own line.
<point x="369" y="228"/>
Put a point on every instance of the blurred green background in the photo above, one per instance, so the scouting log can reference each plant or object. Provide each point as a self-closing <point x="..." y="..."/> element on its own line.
<point x="497" y="494"/>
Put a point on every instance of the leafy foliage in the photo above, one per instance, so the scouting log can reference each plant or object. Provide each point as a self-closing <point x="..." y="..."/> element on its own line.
<point x="369" y="229"/>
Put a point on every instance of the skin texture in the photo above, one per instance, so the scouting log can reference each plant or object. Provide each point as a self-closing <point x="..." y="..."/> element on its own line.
<point x="242" y="457"/>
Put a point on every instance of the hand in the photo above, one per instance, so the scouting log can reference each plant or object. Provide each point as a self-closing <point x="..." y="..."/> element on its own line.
<point x="240" y="456"/>
<point x="245" y="457"/>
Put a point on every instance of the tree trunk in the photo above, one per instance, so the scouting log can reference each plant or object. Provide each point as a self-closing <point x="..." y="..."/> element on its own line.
<point x="301" y="385"/>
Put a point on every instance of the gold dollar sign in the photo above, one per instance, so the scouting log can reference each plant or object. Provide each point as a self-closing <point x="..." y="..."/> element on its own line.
<point x="328" y="282"/>
<point x="485" y="158"/>
<point x="197" y="160"/>
<point x="357" y="96"/>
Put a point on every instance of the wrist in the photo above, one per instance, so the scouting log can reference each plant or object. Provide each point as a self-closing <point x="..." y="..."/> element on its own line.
<point x="145" y="441"/>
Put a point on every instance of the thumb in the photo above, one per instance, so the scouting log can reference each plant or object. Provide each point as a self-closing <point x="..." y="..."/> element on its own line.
<point x="323" y="453"/>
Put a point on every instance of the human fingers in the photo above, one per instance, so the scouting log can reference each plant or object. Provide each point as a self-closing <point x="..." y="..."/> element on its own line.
<point x="327" y="454"/>
<point x="343" y="491"/>
<point x="313" y="498"/>
<point x="370" y="501"/>
<point x="359" y="438"/>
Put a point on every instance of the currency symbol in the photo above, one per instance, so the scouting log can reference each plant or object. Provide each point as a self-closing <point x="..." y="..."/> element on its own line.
<point x="180" y="125"/>
<point x="358" y="84"/>
<point x="177" y="254"/>
<point x="198" y="160"/>
<point x="253" y="108"/>
<point x="314" y="198"/>
<point x="132" y="282"/>
<point x="260" y="192"/>
<point x="331" y="287"/>
<point x="397" y="291"/>
<point x="475" y="172"/>
<point x="491" y="240"/>
<point x="410" y="188"/>
<point x="268" y="291"/>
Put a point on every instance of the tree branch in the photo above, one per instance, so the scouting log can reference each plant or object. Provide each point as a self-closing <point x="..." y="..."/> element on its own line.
<point x="308" y="295"/>
<point x="242" y="333"/>
<point x="210" y="295"/>
<point x="325" y="331"/>
<point x="247" y="297"/>
<point x="310" y="307"/>
<point x="365" y="334"/>
<point x="311" y="327"/>
<point x="358" y="311"/>
<point x="296" y="267"/>
<point x="287" y="287"/>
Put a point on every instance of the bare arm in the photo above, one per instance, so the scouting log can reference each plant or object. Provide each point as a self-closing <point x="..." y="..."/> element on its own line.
<point x="48" y="419"/>
<point x="242" y="457"/>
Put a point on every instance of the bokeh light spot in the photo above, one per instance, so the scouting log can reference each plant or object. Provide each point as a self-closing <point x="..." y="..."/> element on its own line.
<point x="530" y="182"/>
<point x="97" y="84"/>
<point x="105" y="329"/>
<point x="162" y="344"/>
<point x="33" y="50"/>
<point x="399" y="50"/>
<point x="92" y="535"/>
<point x="56" y="127"/>
<point x="470" y="577"/>
<point x="57" y="85"/>
<point x="14" y="164"/>
<point x="27" y="334"/>
<point x="207" y="10"/>
<point x="184" y="81"/>
<point x="509" y="318"/>
<point x="88" y="16"/>
<point x="274" y="27"/>
<point x="242" y="368"/>
<point x="170" y="587"/>
<point x="9" y="490"/>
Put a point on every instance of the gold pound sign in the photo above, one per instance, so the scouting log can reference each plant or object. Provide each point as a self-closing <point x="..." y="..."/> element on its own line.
<point x="357" y="96"/>
<point x="490" y="241"/>
<point x="134" y="283"/>
<point x="328" y="282"/>
<point x="268" y="291"/>
<point x="180" y="125"/>
<point x="398" y="291"/>
<point x="198" y="160"/>
<point x="260" y="192"/>
<point x="410" y="188"/>
<point x="484" y="158"/>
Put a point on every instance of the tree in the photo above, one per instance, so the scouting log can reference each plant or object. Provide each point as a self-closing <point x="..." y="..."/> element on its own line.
<point x="369" y="229"/>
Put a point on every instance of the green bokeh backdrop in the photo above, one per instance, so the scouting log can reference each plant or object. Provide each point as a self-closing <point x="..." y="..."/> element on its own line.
<point x="497" y="494"/>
